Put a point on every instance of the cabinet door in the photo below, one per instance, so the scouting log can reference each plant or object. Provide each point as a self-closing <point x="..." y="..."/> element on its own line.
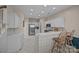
<point x="11" y="20"/>
<point x="1" y="19"/>
<point x="45" y="43"/>
<point x="59" y="22"/>
<point x="17" y="21"/>
<point x="3" y="43"/>
<point x="15" y="42"/>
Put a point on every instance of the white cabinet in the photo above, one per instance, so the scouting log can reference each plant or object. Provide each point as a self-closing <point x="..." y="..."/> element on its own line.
<point x="15" y="42"/>
<point x="3" y="43"/>
<point x="13" y="20"/>
<point x="44" y="41"/>
<point x="17" y="21"/>
<point x="57" y="22"/>
<point x="10" y="20"/>
<point x="3" y="35"/>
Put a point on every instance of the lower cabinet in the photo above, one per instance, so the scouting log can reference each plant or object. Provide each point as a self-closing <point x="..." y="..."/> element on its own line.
<point x="3" y="43"/>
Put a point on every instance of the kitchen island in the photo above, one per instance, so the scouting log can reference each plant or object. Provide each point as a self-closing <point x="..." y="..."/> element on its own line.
<point x="44" y="41"/>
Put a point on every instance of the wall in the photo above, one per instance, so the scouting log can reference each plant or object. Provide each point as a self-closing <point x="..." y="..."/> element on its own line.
<point x="71" y="17"/>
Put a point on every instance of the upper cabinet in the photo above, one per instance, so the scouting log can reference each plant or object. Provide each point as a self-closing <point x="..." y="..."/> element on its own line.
<point x="16" y="21"/>
<point x="13" y="20"/>
<point x="3" y="19"/>
<point x="57" y="22"/>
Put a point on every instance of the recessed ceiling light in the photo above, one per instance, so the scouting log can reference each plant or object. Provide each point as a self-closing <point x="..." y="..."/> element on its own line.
<point x="54" y="8"/>
<point x="31" y="9"/>
<point x="42" y="11"/>
<point x="38" y="15"/>
<point x="30" y="13"/>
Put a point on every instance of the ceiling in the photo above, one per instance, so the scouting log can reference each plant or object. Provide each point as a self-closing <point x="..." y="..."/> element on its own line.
<point x="37" y="11"/>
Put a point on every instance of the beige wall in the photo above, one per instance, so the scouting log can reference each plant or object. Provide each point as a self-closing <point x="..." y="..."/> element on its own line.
<point x="71" y="17"/>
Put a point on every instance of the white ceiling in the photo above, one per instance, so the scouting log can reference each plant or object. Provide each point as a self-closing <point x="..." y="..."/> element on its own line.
<point x="37" y="11"/>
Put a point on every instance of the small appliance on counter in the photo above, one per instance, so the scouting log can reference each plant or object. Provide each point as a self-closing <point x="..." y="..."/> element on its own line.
<point x="48" y="28"/>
